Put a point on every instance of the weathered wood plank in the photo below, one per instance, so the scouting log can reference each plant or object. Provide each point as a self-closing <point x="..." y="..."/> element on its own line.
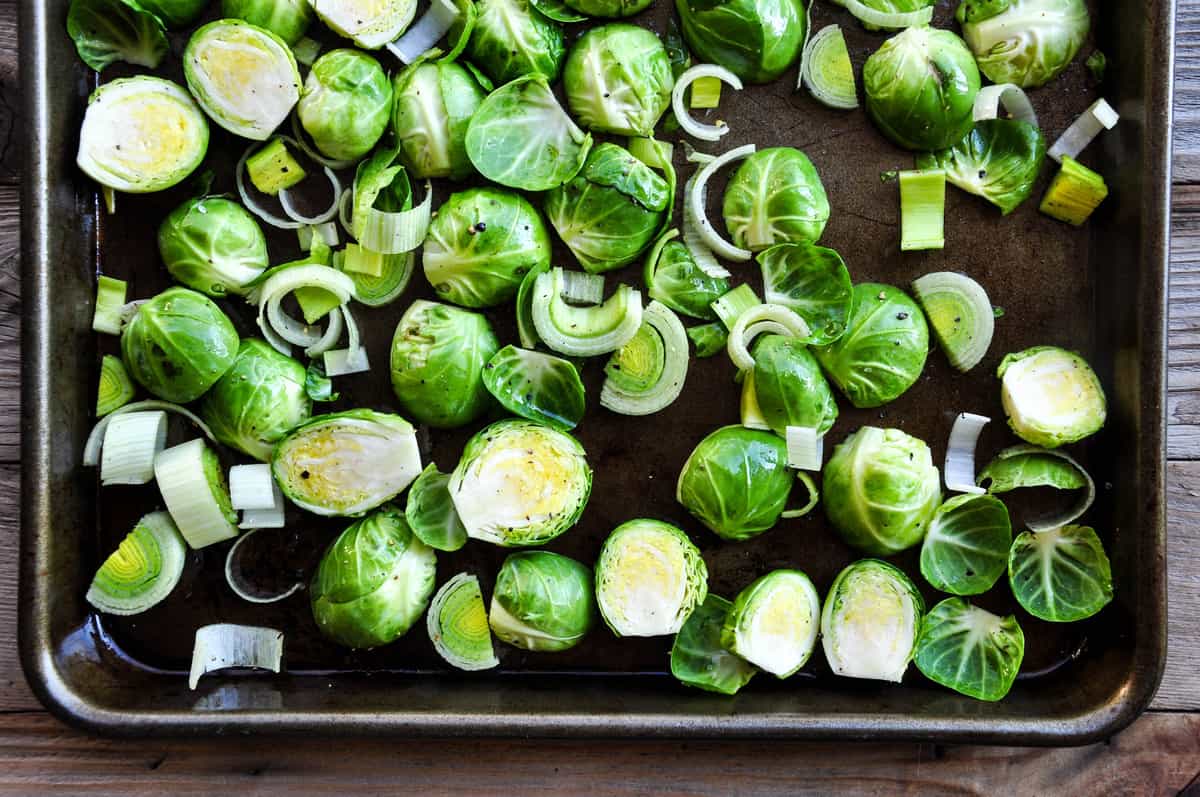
<point x="1187" y="91"/>
<point x="10" y="325"/>
<point x="1180" y="689"/>
<point x="14" y="692"/>
<point x="10" y="95"/>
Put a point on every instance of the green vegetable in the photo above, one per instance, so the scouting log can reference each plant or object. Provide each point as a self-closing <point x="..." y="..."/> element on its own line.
<point x="998" y="160"/>
<point x="430" y="511"/>
<point x="537" y="386"/>
<point x="958" y="309"/>
<point x="458" y="625"/>
<point x="558" y="11"/>
<point x="526" y="328"/>
<point x="826" y="70"/>
<point x="511" y="39"/>
<point x="970" y="650"/>
<point x="775" y="197"/>
<point x="1027" y="42"/>
<point x="116" y="388"/>
<point x="647" y="373"/>
<point x="922" y="209"/>
<point x="520" y="483"/>
<point x="192" y="483"/>
<point x="107" y="31"/>
<point x="1061" y="575"/>
<point x="673" y="278"/>
<point x="883" y="351"/>
<point x="175" y="13"/>
<point x="395" y="271"/>
<point x="698" y="657"/>
<point x="481" y="244"/>
<point x="731" y="305"/>
<point x="542" y="601"/>
<point x="880" y="14"/>
<point x="789" y="388"/>
<point x="1029" y="466"/>
<point x="273" y="168"/>
<point x="368" y="23"/>
<point x="921" y="86"/>
<point x="755" y="39"/>
<point x="213" y="245"/>
<point x="870" y="621"/>
<point x="1051" y="396"/>
<point x="1097" y="64"/>
<point x="143" y="570"/>
<point x="178" y="345"/>
<point x="438" y="354"/>
<point x="736" y="482"/>
<point x="966" y="547"/>
<point x="774" y="622"/>
<point x="618" y="79"/>
<point x="110" y="305"/>
<point x="609" y="8"/>
<point x="583" y="331"/>
<point x="435" y="101"/>
<point x="287" y="19"/>
<point x="373" y="583"/>
<point x="346" y="104"/>
<point x="649" y="579"/>
<point x="882" y="490"/>
<point x="709" y="339"/>
<point x="812" y="281"/>
<point x="1074" y="193"/>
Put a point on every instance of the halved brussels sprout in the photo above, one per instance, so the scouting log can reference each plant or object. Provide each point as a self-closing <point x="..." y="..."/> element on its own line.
<point x="774" y="622"/>
<point x="537" y="386"/>
<point x="520" y="483"/>
<point x="618" y="80"/>
<point x="346" y="463"/>
<point x="649" y="578"/>
<point x="966" y="547"/>
<point x="811" y="281"/>
<point x="1061" y="575"/>
<point x="998" y="160"/>
<point x="775" y="197"/>
<point x="107" y="31"/>
<point x="435" y="101"/>
<point x="611" y="211"/>
<point x="789" y="386"/>
<point x="542" y="601"/>
<point x="608" y="8"/>
<point x="213" y="245"/>
<point x="513" y="39"/>
<point x="1027" y="42"/>
<point x="175" y="13"/>
<point x="921" y="86"/>
<point x="1051" y="396"/>
<point x="438" y="354"/>
<point x="699" y="659"/>
<point x="259" y="400"/>
<point x="870" y="622"/>
<point x="369" y="23"/>
<point x="373" y="583"/>
<point x="346" y="104"/>
<point x="881" y="489"/>
<point x="757" y="40"/>
<point x="481" y="244"/>
<point x="970" y="650"/>
<point x="673" y="278"/>
<point x="883" y="350"/>
<point x="430" y="511"/>
<point x="736" y="482"/>
<point x="178" y="344"/>
<point x="287" y="19"/>
<point x="244" y="77"/>
<point x="141" y="134"/>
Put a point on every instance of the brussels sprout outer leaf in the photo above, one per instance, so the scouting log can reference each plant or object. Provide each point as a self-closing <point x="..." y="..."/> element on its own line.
<point x="512" y="39"/>
<point x="107" y="31"/>
<point x="698" y="657"/>
<point x="998" y="160"/>
<point x="526" y="328"/>
<point x="430" y="511"/>
<point x="789" y="386"/>
<point x="966" y="546"/>
<point x="1061" y="575"/>
<point x="540" y="387"/>
<point x="673" y="278"/>
<point x="970" y="650"/>
<point x="813" y="282"/>
<point x="775" y="197"/>
<point x="542" y="601"/>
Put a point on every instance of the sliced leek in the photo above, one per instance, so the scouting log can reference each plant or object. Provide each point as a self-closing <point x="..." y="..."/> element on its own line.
<point x="959" y="471"/>
<point x="704" y="132"/>
<point x="143" y="570"/>
<point x="730" y="306"/>
<point x="383" y="288"/>
<point x="697" y="196"/>
<point x="110" y="299"/>
<point x="1009" y="96"/>
<point x="580" y="287"/>
<point x="116" y="387"/>
<point x="428" y="31"/>
<point x="131" y="443"/>
<point x="759" y="320"/>
<point x="252" y="487"/>
<point x="192" y="484"/>
<point x="619" y="395"/>
<point x="1074" y="193"/>
<point x="1099" y="116"/>
<point x="95" y="441"/>
<point x="814" y="496"/>
<point x="584" y="331"/>
<point x="233" y="576"/>
<point x="225" y="645"/>
<point x="922" y="209"/>
<point x="805" y="447"/>
<point x="458" y="625"/>
<point x="873" y="18"/>
<point x="751" y="412"/>
<point x="960" y="313"/>
<point x="826" y="69"/>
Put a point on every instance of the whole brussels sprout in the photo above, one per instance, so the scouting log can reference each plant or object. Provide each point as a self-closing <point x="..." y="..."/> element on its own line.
<point x="481" y="244"/>
<point x="789" y="387"/>
<point x="511" y="39"/>
<point x="175" y="13"/>
<point x="346" y="103"/>
<point x="757" y="40"/>
<point x="287" y="19"/>
<point x="608" y="8"/>
<point x="259" y="400"/>
<point x="433" y="108"/>
<point x="881" y="490"/>
<point x="373" y="582"/>
<point x="611" y="211"/>
<point x="921" y="86"/>
<point x="542" y="601"/>
<point x="1027" y="42"/>
<point x="736" y="482"/>
<point x="775" y="197"/>
<point x="438" y="354"/>
<point x="618" y="80"/>
<point x="213" y="245"/>
<point x="883" y="350"/>
<point x="178" y="344"/>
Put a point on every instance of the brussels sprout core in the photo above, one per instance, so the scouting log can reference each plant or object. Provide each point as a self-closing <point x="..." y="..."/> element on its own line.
<point x="870" y="622"/>
<point x="1051" y="396"/>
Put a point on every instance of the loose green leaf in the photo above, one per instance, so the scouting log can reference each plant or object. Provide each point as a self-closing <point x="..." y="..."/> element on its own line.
<point x="1060" y="575"/>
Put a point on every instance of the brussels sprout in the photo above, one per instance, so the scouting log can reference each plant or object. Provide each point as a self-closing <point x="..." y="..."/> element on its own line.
<point x="889" y="7"/>
<point x="673" y="278"/>
<point x="774" y="622"/>
<point x="251" y="94"/>
<point x="618" y="80"/>
<point x="609" y="8"/>
<point x="520" y="483"/>
<point x="775" y="197"/>
<point x="611" y="211"/>
<point x="699" y="659"/>
<point x="537" y="386"/>
<point x="998" y="160"/>
<point x="1051" y="396"/>
<point x="346" y="103"/>
<point x="259" y="400"/>
<point x="368" y="23"/>
<point x="175" y="13"/>
<point x="966" y="547"/>
<point x="813" y="282"/>
<point x="736" y="482"/>
<point x="970" y="650"/>
<point x="481" y="244"/>
<point x="1027" y="42"/>
<point x="435" y="101"/>
<point x="512" y="39"/>
<point x="346" y="463"/>
<point x="883" y="350"/>
<point x="649" y="578"/>
<point x="921" y="86"/>
<point x="757" y="40"/>
<point x="542" y="601"/>
<point x="287" y="19"/>
<point x="789" y="386"/>
<point x="213" y="245"/>
<point x="141" y="134"/>
<point x="881" y="490"/>
<point x="178" y="344"/>
<point x="1061" y="575"/>
<point x="373" y="582"/>
<point x="870" y="621"/>
<point x="107" y="31"/>
<point x="430" y="511"/>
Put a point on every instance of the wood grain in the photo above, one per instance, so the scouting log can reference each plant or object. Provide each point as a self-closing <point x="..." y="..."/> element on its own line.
<point x="10" y="139"/>
<point x="1187" y="91"/>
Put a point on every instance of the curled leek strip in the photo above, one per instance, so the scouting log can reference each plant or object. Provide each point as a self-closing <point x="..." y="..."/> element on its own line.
<point x="280" y="329"/>
<point x="762" y="319"/>
<point x="887" y="20"/>
<point x="1099" y="116"/>
<point x="698" y="195"/>
<point x="1011" y="97"/>
<point x="960" y="453"/>
<point x="226" y="645"/>
<point x="394" y="233"/>
<point x="814" y="496"/>
<point x="705" y="260"/>
<point x="704" y="132"/>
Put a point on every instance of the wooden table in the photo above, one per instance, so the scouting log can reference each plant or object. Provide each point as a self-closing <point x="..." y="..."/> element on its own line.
<point x="1160" y="753"/>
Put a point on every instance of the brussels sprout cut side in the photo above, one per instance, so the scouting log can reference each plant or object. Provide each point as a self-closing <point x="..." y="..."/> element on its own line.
<point x="775" y="197"/>
<point x="346" y="104"/>
<point x="870" y="621"/>
<point x="458" y="625"/>
<point x="773" y="623"/>
<point x="755" y="39"/>
<point x="698" y="656"/>
<point x="1061" y="575"/>
<point x="970" y="650"/>
<point x="542" y="602"/>
<point x="618" y="80"/>
<point x="537" y="386"/>
<point x="1051" y="396"/>
<point x="368" y="23"/>
<point x="1026" y="42"/>
<point x="213" y="245"/>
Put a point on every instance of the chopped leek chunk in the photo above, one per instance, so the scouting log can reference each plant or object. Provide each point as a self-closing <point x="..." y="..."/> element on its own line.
<point x="734" y="303"/>
<point x="826" y="69"/>
<point x="143" y="570"/>
<point x="192" y="484"/>
<point x="110" y="298"/>
<point x="922" y="209"/>
<point x="458" y="625"/>
<point x="225" y="645"/>
<point x="706" y="92"/>
<point x="273" y="169"/>
<point x="363" y="261"/>
<point x="315" y="303"/>
<point x="960" y="313"/>
<point x="1074" y="193"/>
<point x="116" y="388"/>
<point x="132" y="441"/>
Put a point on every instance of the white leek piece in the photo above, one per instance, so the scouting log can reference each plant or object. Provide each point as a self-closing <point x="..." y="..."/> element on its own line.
<point x="580" y="287"/>
<point x="110" y="299"/>
<point x="193" y="488"/>
<point x="225" y="645"/>
<point x="393" y="232"/>
<point x="131" y="442"/>
<point x="762" y="319"/>
<point x="887" y="20"/>
<point x="233" y="572"/>
<point x="663" y="393"/>
<point x="1011" y="97"/>
<point x="704" y="132"/>
<point x="805" y="447"/>
<point x="434" y="24"/>
<point x="697" y="197"/>
<point x="253" y="487"/>
<point x="706" y="261"/>
<point x="95" y="441"/>
<point x="960" y="453"/>
<point x="1099" y="116"/>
